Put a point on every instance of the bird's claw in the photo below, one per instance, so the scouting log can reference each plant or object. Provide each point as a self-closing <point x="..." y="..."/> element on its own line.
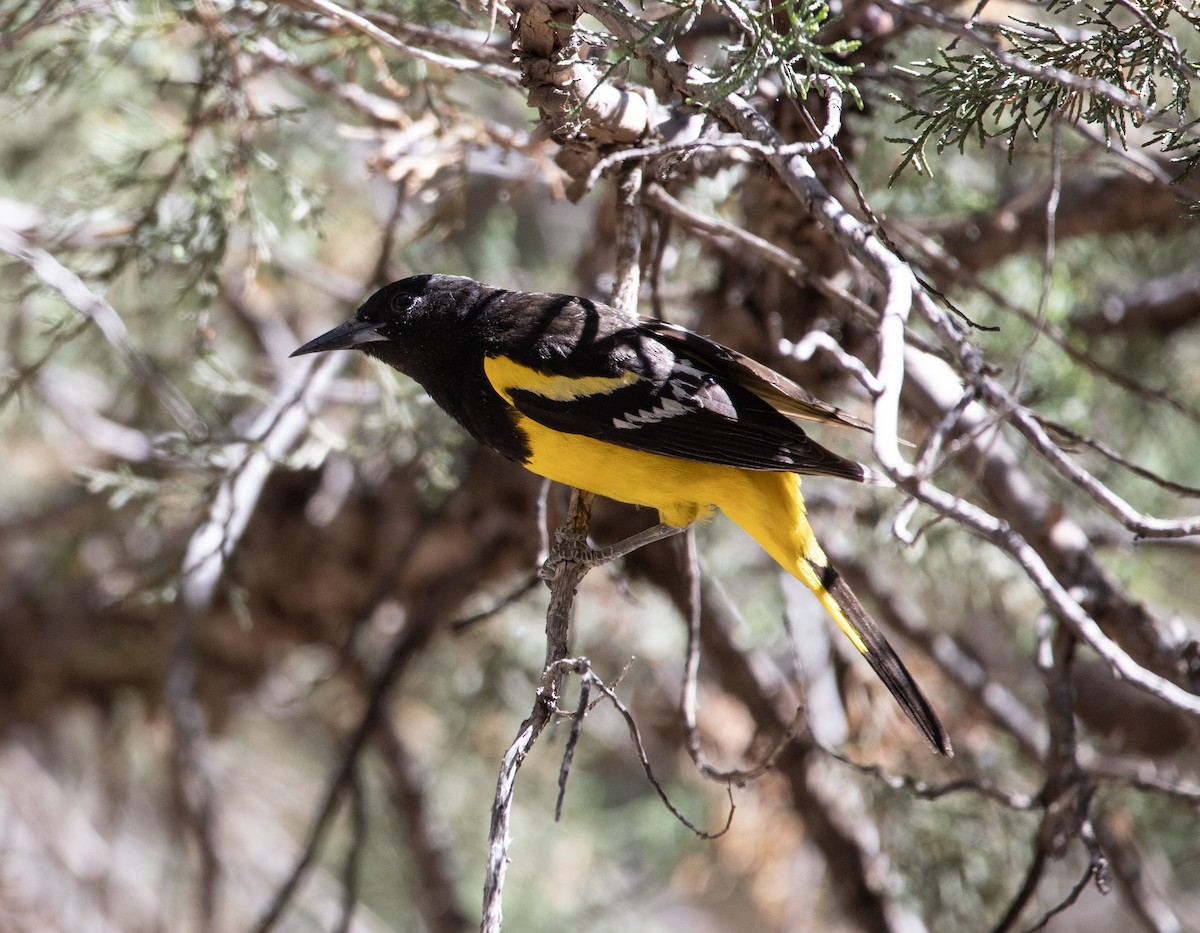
<point x="570" y="548"/>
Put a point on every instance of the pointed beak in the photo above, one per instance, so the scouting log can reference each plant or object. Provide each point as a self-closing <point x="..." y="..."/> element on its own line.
<point x="346" y="337"/>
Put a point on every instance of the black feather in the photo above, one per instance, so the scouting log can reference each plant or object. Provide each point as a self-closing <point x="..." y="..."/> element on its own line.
<point x="885" y="662"/>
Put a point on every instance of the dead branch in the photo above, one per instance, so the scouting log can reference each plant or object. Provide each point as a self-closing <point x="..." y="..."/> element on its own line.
<point x="568" y="574"/>
<point x="1158" y="307"/>
<point x="1089" y="205"/>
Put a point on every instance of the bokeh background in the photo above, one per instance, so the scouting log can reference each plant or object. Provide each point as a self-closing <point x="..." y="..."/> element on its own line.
<point x="267" y="626"/>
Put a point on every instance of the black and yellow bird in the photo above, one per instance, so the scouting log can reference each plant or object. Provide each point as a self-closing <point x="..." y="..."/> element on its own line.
<point x="634" y="409"/>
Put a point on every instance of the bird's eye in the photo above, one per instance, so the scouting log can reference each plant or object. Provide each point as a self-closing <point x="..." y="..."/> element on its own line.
<point x="402" y="302"/>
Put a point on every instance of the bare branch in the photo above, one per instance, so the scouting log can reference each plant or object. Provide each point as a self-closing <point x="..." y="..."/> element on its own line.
<point x="635" y="736"/>
<point x="926" y="791"/>
<point x="567" y="576"/>
<point x="362" y="24"/>
<point x="405" y="648"/>
<point x="1109" y="453"/>
<point x="379" y="109"/>
<point x="581" y="710"/>
<point x="352" y="864"/>
<point x="715" y="230"/>
<point x="1133" y="872"/>
<point x="1090" y="203"/>
<point x="849" y="844"/>
<point x="108" y="321"/>
<point x="523" y="588"/>
<point x="1064" y="605"/>
<point x="627" y="276"/>
<point x="1159" y="306"/>
<point x="947" y="265"/>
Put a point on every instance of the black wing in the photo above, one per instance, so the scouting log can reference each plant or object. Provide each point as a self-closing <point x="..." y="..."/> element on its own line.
<point x="777" y="390"/>
<point x="663" y="398"/>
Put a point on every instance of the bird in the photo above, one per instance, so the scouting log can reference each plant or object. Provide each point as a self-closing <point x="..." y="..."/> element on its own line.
<point x="634" y="409"/>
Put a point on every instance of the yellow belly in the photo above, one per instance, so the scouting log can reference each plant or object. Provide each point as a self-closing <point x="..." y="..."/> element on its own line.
<point x="768" y="506"/>
<point x="682" y="491"/>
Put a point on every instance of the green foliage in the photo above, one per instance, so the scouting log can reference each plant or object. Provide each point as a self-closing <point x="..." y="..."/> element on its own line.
<point x="780" y="37"/>
<point x="122" y="485"/>
<point x="1117" y="68"/>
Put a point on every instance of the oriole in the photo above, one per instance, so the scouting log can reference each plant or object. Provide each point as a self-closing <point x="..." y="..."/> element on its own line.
<point x="634" y="409"/>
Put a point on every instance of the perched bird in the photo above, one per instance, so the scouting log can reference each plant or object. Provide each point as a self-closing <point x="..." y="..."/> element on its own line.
<point x="634" y="409"/>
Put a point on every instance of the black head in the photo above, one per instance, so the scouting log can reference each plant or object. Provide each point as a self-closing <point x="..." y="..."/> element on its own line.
<point x="413" y="309"/>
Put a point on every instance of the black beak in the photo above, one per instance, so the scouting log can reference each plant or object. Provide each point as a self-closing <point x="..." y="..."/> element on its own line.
<point x="346" y="337"/>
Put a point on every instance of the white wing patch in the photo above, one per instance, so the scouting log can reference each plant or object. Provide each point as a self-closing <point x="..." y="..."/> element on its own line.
<point x="666" y="408"/>
<point x="692" y="389"/>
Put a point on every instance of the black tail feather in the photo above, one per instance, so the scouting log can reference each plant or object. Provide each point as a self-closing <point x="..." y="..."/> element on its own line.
<point x="887" y="664"/>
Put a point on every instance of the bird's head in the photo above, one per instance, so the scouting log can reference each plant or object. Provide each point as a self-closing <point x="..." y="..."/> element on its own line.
<point x="400" y="319"/>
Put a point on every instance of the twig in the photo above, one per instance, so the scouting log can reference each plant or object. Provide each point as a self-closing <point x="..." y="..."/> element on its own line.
<point x="1071" y="898"/>
<point x="950" y="265"/>
<point x="406" y="647"/>
<point x="823" y="142"/>
<point x="506" y="76"/>
<point x="351" y="867"/>
<point x="380" y="109"/>
<point x="1097" y="871"/>
<point x="1033" y="876"/>
<point x="688" y="691"/>
<point x="713" y="229"/>
<point x="1138" y="775"/>
<point x="1131" y="870"/>
<point x="841" y="832"/>
<point x="1001" y="533"/>
<point x="581" y="710"/>
<point x="627" y="275"/>
<point x="1140" y="523"/>
<point x="818" y="339"/>
<point x="272" y="434"/>
<point x="1047" y="260"/>
<point x="1066" y="795"/>
<point x="636" y="736"/>
<point x="108" y="321"/>
<point x="926" y="791"/>
<point x="526" y="586"/>
<point x="275" y="431"/>
<point x="1074" y="437"/>
<point x="567" y="576"/>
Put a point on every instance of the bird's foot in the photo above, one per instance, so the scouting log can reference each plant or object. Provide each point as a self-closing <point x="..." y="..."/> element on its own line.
<point x="571" y="547"/>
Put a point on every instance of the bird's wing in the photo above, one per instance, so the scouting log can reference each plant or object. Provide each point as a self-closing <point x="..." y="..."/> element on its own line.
<point x="777" y="390"/>
<point x="634" y="389"/>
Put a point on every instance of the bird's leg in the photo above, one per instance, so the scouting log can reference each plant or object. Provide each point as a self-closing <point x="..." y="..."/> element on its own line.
<point x="603" y="555"/>
<point x="572" y="547"/>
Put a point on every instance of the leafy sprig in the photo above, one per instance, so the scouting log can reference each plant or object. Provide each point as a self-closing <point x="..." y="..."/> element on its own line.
<point x="780" y="38"/>
<point x="1119" y="68"/>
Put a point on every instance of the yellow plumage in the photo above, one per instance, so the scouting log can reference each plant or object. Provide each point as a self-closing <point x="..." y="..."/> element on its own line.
<point x="767" y="506"/>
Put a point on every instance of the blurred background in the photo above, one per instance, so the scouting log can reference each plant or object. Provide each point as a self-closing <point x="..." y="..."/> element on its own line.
<point x="267" y="626"/>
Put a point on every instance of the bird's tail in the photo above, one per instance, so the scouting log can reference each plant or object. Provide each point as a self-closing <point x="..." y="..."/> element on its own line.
<point x="841" y="603"/>
<point x="786" y="535"/>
